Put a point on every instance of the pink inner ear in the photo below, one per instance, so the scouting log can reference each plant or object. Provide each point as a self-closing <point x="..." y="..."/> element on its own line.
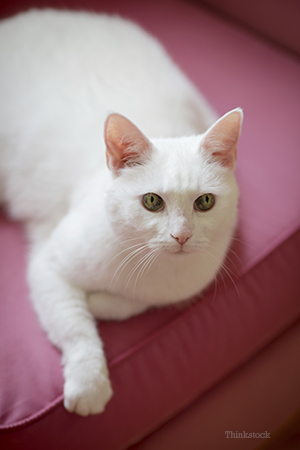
<point x="125" y="143"/>
<point x="222" y="138"/>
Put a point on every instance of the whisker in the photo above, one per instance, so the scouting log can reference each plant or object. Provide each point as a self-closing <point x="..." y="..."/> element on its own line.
<point x="216" y="281"/>
<point x="227" y="271"/>
<point x="237" y="257"/>
<point x="241" y="241"/>
<point x="125" y="261"/>
<point x="224" y="265"/>
<point x="146" y="261"/>
<point x="228" y="257"/>
<point x="155" y="254"/>
<point x="135" y="268"/>
<point x="123" y="251"/>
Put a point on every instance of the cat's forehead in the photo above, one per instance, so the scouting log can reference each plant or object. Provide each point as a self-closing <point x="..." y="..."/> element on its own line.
<point x="182" y="167"/>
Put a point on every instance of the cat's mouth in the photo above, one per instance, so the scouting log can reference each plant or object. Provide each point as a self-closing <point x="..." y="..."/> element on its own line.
<point x="181" y="250"/>
<point x="176" y="250"/>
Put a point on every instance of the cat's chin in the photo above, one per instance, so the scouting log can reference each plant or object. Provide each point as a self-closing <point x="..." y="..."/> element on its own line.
<point x="180" y="253"/>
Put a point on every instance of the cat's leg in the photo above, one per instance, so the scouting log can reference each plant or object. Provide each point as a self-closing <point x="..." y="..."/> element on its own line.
<point x="64" y="315"/>
<point x="106" y="306"/>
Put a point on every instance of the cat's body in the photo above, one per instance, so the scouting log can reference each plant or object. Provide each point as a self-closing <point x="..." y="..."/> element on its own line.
<point x="95" y="236"/>
<point x="75" y="90"/>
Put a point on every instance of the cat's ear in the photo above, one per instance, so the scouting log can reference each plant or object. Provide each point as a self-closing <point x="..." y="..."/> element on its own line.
<point x="125" y="143"/>
<point x="221" y="139"/>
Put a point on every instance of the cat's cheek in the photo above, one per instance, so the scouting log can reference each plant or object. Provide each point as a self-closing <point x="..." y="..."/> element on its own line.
<point x="126" y="214"/>
<point x="124" y="223"/>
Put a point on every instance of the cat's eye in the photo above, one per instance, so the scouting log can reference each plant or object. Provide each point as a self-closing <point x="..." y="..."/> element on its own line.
<point x="152" y="202"/>
<point x="205" y="202"/>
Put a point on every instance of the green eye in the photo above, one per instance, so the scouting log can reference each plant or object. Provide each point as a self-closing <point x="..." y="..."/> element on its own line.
<point x="152" y="202"/>
<point x="205" y="202"/>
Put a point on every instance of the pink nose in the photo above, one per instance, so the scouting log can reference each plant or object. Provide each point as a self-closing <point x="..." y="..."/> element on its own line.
<point x="181" y="238"/>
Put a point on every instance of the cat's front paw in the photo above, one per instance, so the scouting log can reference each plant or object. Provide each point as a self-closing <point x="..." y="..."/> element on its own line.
<point x="87" y="390"/>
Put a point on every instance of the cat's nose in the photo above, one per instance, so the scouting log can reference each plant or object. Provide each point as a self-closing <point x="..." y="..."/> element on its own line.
<point x="181" y="238"/>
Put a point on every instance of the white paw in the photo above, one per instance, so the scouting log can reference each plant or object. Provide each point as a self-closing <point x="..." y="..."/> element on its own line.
<point x="87" y="388"/>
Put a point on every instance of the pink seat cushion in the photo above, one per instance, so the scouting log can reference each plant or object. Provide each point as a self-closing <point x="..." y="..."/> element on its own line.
<point x="163" y="360"/>
<point x="279" y="20"/>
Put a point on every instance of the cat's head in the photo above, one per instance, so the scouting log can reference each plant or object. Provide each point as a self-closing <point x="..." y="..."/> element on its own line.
<point x="173" y="195"/>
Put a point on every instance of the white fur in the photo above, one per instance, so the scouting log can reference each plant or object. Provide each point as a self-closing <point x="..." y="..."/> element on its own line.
<point x="94" y="246"/>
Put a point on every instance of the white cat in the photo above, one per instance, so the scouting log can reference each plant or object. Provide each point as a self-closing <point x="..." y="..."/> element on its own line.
<point x="149" y="228"/>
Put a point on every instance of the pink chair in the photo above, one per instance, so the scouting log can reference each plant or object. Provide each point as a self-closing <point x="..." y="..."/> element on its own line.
<point x="188" y="378"/>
